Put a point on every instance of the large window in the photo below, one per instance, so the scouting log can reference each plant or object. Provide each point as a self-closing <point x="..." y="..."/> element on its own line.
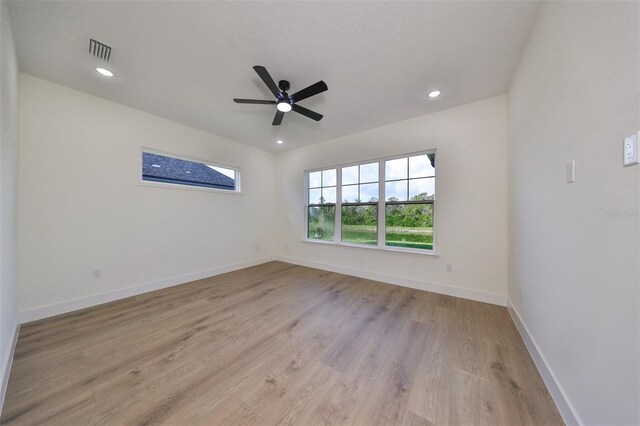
<point x="388" y="203"/>
<point x="177" y="171"/>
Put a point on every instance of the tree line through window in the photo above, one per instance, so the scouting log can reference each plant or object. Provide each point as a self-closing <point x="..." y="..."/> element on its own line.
<point x="397" y="213"/>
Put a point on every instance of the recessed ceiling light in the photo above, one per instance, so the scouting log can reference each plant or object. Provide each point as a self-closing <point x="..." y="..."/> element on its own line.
<point x="434" y="94"/>
<point x="104" y="72"/>
<point x="279" y="141"/>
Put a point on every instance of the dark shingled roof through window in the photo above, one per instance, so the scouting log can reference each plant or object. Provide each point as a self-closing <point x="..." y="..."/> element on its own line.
<point x="159" y="168"/>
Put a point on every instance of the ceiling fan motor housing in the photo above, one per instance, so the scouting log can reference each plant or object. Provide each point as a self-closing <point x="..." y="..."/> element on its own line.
<point x="284" y="85"/>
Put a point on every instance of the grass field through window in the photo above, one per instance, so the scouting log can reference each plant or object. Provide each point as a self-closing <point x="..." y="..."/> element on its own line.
<point x="418" y="238"/>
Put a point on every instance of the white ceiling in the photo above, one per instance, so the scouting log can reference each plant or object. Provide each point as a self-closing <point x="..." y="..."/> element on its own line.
<point x="187" y="60"/>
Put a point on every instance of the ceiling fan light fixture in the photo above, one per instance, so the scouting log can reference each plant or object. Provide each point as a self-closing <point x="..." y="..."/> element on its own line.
<point x="283" y="106"/>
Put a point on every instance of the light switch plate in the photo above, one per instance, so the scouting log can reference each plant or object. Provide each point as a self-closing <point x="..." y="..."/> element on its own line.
<point x="630" y="150"/>
<point x="571" y="171"/>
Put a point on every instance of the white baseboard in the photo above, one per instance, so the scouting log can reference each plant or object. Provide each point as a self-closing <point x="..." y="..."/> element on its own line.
<point x="41" y="312"/>
<point x="8" y="361"/>
<point x="465" y="293"/>
<point x="567" y="411"/>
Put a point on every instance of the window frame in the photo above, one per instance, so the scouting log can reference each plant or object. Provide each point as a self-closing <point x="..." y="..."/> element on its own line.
<point x="170" y="185"/>
<point x="381" y="203"/>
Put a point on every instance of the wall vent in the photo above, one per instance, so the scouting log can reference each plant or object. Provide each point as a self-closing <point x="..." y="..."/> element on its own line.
<point x="99" y="50"/>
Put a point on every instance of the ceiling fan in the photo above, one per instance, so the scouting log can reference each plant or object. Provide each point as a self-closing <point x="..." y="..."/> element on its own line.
<point x="285" y="102"/>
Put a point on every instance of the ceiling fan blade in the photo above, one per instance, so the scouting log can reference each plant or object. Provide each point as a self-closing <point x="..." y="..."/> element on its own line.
<point x="266" y="77"/>
<point x="278" y="118"/>
<point x="253" y="101"/>
<point x="312" y="90"/>
<point x="307" y="112"/>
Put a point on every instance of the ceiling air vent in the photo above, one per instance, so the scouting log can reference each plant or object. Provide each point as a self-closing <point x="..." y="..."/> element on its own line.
<point x="99" y="50"/>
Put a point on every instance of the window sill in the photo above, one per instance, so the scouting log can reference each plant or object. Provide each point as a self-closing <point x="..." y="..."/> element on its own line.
<point x="167" y="185"/>
<point x="432" y="253"/>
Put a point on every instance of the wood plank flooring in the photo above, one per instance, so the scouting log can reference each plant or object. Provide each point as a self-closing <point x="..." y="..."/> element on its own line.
<point x="278" y="344"/>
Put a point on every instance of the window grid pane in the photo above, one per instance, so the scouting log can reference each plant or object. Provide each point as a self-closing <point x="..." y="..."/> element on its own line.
<point x="368" y="173"/>
<point x="315" y="180"/>
<point x="396" y="190"/>
<point x="422" y="188"/>
<point x="420" y="166"/>
<point x="350" y="175"/>
<point x="369" y="192"/>
<point x="349" y="193"/>
<point x="329" y="177"/>
<point x="315" y="194"/>
<point x="360" y="224"/>
<point x="329" y="195"/>
<point x="396" y="169"/>
<point x="409" y="226"/>
<point x="321" y="223"/>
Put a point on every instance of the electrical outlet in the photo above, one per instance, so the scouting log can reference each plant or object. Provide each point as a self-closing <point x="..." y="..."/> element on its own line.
<point x="97" y="274"/>
<point x="630" y="150"/>
<point x="449" y="268"/>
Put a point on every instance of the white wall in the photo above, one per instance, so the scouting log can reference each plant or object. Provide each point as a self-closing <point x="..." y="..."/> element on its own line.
<point x="575" y="257"/>
<point x="82" y="207"/>
<point x="471" y="201"/>
<point x="8" y="197"/>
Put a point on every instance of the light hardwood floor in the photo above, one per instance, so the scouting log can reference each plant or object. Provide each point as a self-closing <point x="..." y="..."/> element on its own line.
<point x="278" y="344"/>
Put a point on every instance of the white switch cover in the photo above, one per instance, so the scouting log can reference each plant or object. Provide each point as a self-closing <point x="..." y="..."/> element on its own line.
<point x="631" y="150"/>
<point x="571" y="171"/>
